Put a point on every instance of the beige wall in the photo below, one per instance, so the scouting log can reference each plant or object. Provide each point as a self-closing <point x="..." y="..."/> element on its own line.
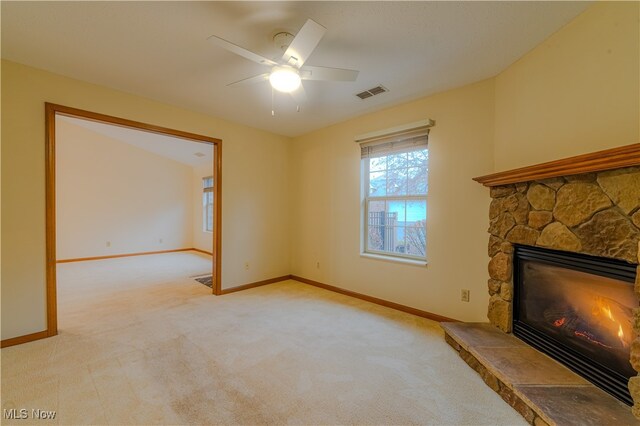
<point x="578" y="92"/>
<point x="255" y="210"/>
<point x="327" y="206"/>
<point x="202" y="239"/>
<point x="111" y="191"/>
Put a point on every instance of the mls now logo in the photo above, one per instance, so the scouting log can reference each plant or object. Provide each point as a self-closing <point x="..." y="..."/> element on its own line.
<point x="14" y="413"/>
<point x="23" y="413"/>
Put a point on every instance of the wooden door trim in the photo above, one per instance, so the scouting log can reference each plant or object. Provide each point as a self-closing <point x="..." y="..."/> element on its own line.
<point x="51" y="110"/>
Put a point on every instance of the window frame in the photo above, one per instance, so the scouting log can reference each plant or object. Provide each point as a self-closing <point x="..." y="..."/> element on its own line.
<point x="206" y="206"/>
<point x="366" y="198"/>
<point x="401" y="138"/>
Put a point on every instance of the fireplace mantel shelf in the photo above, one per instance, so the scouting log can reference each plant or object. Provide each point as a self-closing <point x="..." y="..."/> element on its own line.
<point x="609" y="159"/>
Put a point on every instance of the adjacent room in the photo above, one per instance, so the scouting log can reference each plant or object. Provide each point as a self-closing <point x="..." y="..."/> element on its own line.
<point x="320" y="213"/>
<point x="122" y="193"/>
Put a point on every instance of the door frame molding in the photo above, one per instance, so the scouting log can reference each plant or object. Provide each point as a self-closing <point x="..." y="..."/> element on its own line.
<point x="51" y="110"/>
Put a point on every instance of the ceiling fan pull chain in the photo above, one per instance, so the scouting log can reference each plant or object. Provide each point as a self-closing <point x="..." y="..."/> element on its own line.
<point x="273" y="112"/>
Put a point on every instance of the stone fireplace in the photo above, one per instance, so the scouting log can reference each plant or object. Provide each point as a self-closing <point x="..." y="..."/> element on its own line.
<point x="585" y="207"/>
<point x="594" y="213"/>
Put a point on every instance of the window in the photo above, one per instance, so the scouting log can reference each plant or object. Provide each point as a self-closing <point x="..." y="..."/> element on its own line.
<point x="207" y="204"/>
<point x="395" y="186"/>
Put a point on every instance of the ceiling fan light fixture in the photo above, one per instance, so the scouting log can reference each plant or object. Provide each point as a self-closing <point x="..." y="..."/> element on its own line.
<point x="284" y="79"/>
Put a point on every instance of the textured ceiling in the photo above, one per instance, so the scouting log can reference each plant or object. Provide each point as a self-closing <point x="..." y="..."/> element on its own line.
<point x="159" y="50"/>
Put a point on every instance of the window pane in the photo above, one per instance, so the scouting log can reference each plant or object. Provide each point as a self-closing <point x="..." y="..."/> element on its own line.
<point x="397" y="161"/>
<point x="382" y="238"/>
<point x="399" y="240"/>
<point x="397" y="182"/>
<point x="377" y="164"/>
<point x="378" y="218"/>
<point x="382" y="223"/>
<point x="389" y="239"/>
<point x="415" y="241"/>
<point x="377" y="184"/>
<point x="375" y="240"/>
<point x="209" y="218"/>
<point x="376" y="206"/>
<point x="419" y="158"/>
<point x="396" y="211"/>
<point x="417" y="181"/>
<point x="416" y="212"/>
<point x="207" y="204"/>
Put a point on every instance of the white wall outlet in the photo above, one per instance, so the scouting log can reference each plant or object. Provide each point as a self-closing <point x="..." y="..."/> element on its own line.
<point x="160" y="240"/>
<point x="318" y="265"/>
<point x="464" y="295"/>
<point x="108" y="243"/>
<point x="246" y="265"/>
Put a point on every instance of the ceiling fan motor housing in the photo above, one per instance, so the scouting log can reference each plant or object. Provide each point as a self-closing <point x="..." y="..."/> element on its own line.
<point x="282" y="40"/>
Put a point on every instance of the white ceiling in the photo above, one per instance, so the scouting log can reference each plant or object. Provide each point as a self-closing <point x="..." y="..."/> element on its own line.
<point x="180" y="150"/>
<point x="159" y="50"/>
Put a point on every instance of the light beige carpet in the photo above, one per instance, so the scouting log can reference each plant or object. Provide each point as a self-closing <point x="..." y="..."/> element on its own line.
<point x="143" y="343"/>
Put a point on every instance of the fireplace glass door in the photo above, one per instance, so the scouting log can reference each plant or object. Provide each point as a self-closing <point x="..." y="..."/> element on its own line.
<point x="579" y="310"/>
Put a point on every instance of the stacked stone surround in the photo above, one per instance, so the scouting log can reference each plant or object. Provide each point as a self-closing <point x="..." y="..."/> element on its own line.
<point x="592" y="213"/>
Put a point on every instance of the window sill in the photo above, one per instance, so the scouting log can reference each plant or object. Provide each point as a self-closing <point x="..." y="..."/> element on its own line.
<point x="394" y="259"/>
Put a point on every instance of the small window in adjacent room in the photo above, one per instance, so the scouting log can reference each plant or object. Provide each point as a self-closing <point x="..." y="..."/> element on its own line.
<point x="395" y="185"/>
<point x="207" y="204"/>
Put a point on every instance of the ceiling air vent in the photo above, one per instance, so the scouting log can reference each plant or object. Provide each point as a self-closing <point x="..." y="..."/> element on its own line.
<point x="364" y="95"/>
<point x="372" y="92"/>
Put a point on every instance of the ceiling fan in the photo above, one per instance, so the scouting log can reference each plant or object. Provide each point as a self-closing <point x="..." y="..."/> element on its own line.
<point x="286" y="73"/>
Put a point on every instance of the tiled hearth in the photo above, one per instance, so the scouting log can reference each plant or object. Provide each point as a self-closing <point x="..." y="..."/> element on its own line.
<point x="542" y="390"/>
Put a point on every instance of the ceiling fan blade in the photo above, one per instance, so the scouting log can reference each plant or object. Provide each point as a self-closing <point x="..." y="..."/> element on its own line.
<point x="304" y="43"/>
<point x="240" y="51"/>
<point x="251" y="80"/>
<point x="299" y="95"/>
<point x="323" y="73"/>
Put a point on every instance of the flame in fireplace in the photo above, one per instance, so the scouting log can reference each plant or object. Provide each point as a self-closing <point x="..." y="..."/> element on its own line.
<point x="621" y="335"/>
<point x="602" y="308"/>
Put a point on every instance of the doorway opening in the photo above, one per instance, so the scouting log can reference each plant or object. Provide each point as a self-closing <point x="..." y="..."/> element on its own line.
<point x="201" y="168"/>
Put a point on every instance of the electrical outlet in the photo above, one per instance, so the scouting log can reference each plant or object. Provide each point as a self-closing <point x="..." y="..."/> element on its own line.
<point x="464" y="295"/>
<point x="160" y="240"/>
<point x="246" y="265"/>
<point x="318" y="265"/>
<point x="108" y="243"/>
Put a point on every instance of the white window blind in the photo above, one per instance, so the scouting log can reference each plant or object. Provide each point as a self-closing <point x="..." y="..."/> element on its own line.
<point x="396" y="137"/>
<point x="379" y="149"/>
